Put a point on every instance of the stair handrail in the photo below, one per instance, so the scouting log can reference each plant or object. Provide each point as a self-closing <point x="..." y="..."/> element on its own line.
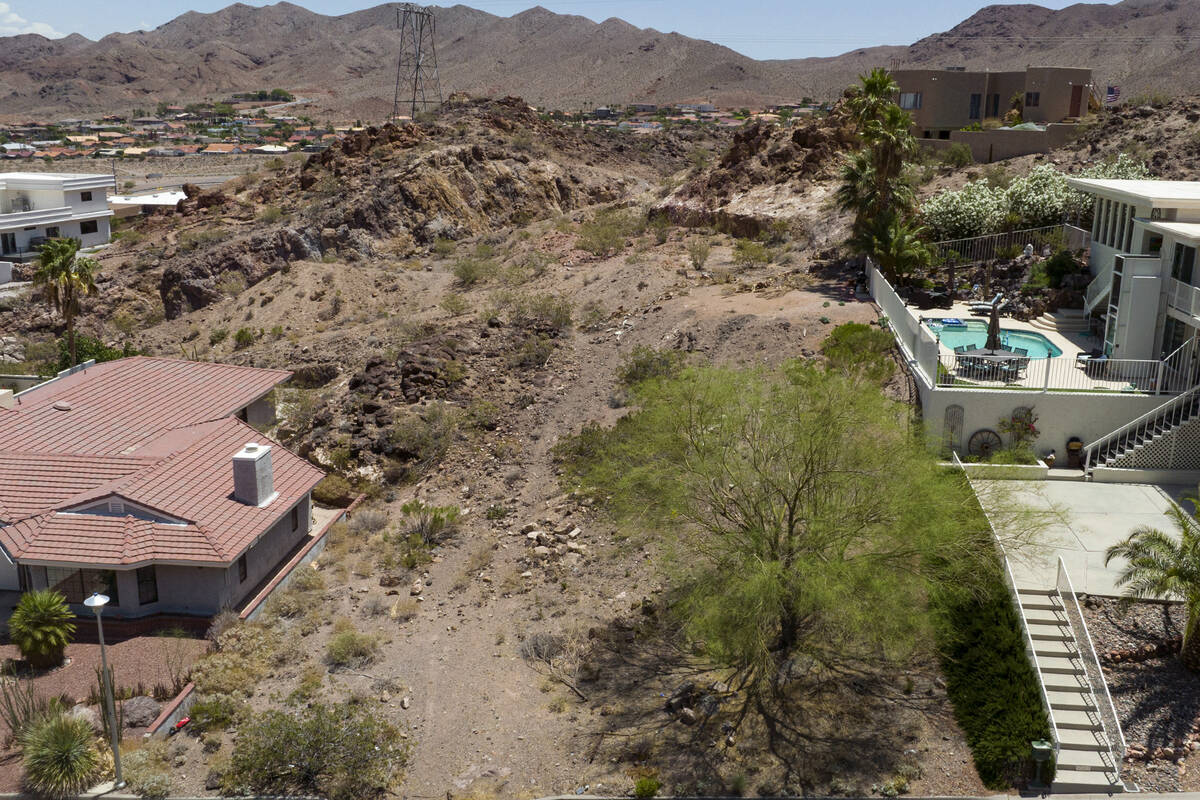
<point x="1011" y="583"/>
<point x="1117" y="746"/>
<point x="1096" y="288"/>
<point x="1168" y="361"/>
<point x="1154" y="413"/>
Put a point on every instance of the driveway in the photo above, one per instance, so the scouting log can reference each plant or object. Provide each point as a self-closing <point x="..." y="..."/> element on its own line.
<point x="1076" y="521"/>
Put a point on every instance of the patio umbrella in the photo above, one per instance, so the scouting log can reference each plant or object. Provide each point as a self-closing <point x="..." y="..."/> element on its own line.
<point x="993" y="334"/>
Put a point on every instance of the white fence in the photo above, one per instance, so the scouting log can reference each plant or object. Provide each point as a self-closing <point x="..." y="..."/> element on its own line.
<point x="918" y="343"/>
<point x="967" y="371"/>
<point x="976" y="249"/>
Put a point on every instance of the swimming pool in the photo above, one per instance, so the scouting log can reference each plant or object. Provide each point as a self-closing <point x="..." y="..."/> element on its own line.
<point x="975" y="332"/>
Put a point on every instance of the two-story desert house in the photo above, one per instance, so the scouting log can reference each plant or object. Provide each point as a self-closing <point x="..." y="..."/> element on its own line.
<point x="144" y="479"/>
<point x="941" y="101"/>
<point x="35" y="207"/>
<point x="1145" y="294"/>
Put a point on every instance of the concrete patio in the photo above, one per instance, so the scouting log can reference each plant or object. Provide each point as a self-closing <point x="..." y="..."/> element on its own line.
<point x="1081" y="521"/>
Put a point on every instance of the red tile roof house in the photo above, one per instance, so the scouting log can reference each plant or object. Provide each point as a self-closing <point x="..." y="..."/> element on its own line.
<point x="142" y="478"/>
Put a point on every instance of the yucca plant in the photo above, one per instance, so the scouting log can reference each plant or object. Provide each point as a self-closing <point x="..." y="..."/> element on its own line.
<point x="60" y="756"/>
<point x="41" y="627"/>
<point x="20" y="705"/>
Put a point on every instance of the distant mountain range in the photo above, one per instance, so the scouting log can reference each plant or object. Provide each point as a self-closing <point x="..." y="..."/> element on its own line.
<point x="346" y="64"/>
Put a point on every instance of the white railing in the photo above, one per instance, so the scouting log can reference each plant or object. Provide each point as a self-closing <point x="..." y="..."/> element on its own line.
<point x="975" y="249"/>
<point x="1110" y="723"/>
<point x="1179" y="368"/>
<point x="917" y="343"/>
<point x="1177" y="410"/>
<point x="1097" y="289"/>
<point x="1184" y="297"/>
<point x="974" y="371"/>
<point x="1011" y="583"/>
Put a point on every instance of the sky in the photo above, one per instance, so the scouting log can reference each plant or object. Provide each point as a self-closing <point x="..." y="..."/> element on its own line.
<point x="757" y="28"/>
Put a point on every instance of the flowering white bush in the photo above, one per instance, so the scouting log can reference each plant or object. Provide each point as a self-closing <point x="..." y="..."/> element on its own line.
<point x="1040" y="198"/>
<point x="975" y="210"/>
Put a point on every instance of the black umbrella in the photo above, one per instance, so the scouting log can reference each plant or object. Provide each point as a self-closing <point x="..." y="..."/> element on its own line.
<point x="993" y="334"/>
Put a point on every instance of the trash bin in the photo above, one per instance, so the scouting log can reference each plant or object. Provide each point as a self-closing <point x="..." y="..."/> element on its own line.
<point x="1043" y="751"/>
<point x="1075" y="453"/>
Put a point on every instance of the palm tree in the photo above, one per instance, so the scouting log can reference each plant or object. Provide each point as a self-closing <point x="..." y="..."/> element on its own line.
<point x="875" y="92"/>
<point x="41" y="627"/>
<point x="1165" y="569"/>
<point x="65" y="276"/>
<point x="895" y="243"/>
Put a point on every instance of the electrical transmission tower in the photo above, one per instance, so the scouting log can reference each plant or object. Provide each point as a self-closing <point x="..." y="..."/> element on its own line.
<point x="417" y="85"/>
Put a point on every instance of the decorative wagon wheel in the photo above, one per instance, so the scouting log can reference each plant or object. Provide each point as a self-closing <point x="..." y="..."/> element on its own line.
<point x="983" y="443"/>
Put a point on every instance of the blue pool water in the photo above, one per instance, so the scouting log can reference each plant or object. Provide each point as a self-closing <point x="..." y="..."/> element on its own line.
<point x="975" y="332"/>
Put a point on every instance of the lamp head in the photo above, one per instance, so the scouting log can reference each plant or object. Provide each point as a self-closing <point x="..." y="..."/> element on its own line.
<point x="96" y="602"/>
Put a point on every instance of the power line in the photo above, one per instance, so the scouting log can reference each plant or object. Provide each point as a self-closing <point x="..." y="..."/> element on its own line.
<point x="417" y="81"/>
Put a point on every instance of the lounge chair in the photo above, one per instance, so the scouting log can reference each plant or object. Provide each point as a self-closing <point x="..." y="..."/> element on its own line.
<point x="985" y="307"/>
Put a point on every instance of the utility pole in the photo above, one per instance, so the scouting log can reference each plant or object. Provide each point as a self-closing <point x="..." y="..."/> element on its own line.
<point x="417" y="84"/>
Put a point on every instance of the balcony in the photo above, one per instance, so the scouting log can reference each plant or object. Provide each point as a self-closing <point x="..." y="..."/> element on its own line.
<point x="35" y="216"/>
<point x="1184" y="298"/>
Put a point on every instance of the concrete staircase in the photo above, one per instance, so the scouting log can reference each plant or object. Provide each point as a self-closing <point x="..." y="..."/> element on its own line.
<point x="1085" y="758"/>
<point x="1065" y="320"/>
<point x="1124" y="444"/>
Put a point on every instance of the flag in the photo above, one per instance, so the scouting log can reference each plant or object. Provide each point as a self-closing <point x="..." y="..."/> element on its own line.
<point x="1114" y="93"/>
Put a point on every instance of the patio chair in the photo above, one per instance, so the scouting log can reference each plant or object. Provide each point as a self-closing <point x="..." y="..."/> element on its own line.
<point x="971" y="347"/>
<point x="962" y="348"/>
<point x="985" y="307"/>
<point x="1021" y="351"/>
<point x="1014" y="369"/>
<point x="1096" y="367"/>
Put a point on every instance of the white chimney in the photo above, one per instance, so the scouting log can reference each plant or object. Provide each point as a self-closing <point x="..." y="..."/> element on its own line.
<point x="253" y="480"/>
<point x="7" y="399"/>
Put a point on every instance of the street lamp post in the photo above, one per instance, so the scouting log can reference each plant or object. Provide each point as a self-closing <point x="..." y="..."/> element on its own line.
<point x="96" y="603"/>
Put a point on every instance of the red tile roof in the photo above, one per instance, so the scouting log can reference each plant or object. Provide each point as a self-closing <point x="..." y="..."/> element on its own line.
<point x="155" y="432"/>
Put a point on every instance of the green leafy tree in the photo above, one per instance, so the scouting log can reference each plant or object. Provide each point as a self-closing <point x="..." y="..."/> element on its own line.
<point x="60" y="757"/>
<point x="64" y="277"/>
<point x="800" y="504"/>
<point x="41" y="627"/>
<point x="1159" y="566"/>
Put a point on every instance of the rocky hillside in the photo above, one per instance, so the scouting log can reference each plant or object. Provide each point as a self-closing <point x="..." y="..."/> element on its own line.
<point x="345" y="64"/>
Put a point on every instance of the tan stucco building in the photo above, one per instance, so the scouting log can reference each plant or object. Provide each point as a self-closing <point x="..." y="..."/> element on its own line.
<point x="945" y="100"/>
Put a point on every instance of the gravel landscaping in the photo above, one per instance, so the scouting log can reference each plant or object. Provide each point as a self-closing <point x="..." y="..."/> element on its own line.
<point x="1157" y="699"/>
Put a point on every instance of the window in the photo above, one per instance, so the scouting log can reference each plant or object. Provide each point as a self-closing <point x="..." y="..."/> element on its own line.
<point x="88" y="226"/>
<point x="78" y="584"/>
<point x="85" y="197"/>
<point x="910" y="100"/>
<point x="242" y="568"/>
<point x="1185" y="260"/>
<point x="976" y="106"/>
<point x="1032" y="99"/>
<point x="994" y="106"/>
<point x="147" y="581"/>
<point x="52" y="232"/>
<point x="295" y="517"/>
<point x="1154" y="244"/>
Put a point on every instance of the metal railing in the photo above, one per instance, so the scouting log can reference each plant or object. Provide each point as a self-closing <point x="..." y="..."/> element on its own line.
<point x="1174" y="412"/>
<point x="976" y="249"/>
<point x="917" y="343"/>
<point x="1183" y="297"/>
<point x="1106" y="712"/>
<point x="1011" y="583"/>
<point x="1097" y="289"/>
<point x="976" y="371"/>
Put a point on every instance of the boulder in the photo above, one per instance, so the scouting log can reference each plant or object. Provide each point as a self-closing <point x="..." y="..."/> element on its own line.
<point x="90" y="715"/>
<point x="140" y="712"/>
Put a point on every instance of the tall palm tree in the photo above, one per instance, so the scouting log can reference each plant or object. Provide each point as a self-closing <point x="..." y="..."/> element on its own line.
<point x="875" y="92"/>
<point x="895" y="243"/>
<point x="1165" y="569"/>
<point x="65" y="276"/>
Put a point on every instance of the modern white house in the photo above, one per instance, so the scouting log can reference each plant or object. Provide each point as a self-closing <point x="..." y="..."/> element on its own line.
<point x="35" y="207"/>
<point x="1145" y="295"/>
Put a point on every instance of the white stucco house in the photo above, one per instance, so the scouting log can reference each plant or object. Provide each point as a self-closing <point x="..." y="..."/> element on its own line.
<point x="36" y="206"/>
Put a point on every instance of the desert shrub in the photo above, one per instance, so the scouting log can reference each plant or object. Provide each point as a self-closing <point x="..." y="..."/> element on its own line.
<point x="215" y="712"/>
<point x="433" y="524"/>
<point x="470" y="271"/>
<point x="87" y="348"/>
<point x="645" y="363"/>
<point x="607" y="231"/>
<point x="747" y="253"/>
<point x="455" y="304"/>
<point x="60" y="756"/>
<point x="20" y="705"/>
<point x="350" y="648"/>
<point x="192" y="240"/>
<point x="444" y="247"/>
<point x="343" y="752"/>
<point x="243" y="338"/>
<point x="855" y="346"/>
<point x="422" y="438"/>
<point x="647" y="786"/>
<point x="41" y="627"/>
<point x="217" y="336"/>
<point x="534" y="351"/>
<point x="368" y="520"/>
<point x="958" y="155"/>
<point x="698" y="251"/>
<point x="243" y="657"/>
<point x="1058" y="266"/>
<point x="334" y="490"/>
<point x="271" y="214"/>
<point x="145" y="770"/>
<point x="543" y="311"/>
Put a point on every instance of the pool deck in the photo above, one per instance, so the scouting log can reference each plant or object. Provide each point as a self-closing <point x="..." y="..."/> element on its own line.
<point x="1064" y="373"/>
